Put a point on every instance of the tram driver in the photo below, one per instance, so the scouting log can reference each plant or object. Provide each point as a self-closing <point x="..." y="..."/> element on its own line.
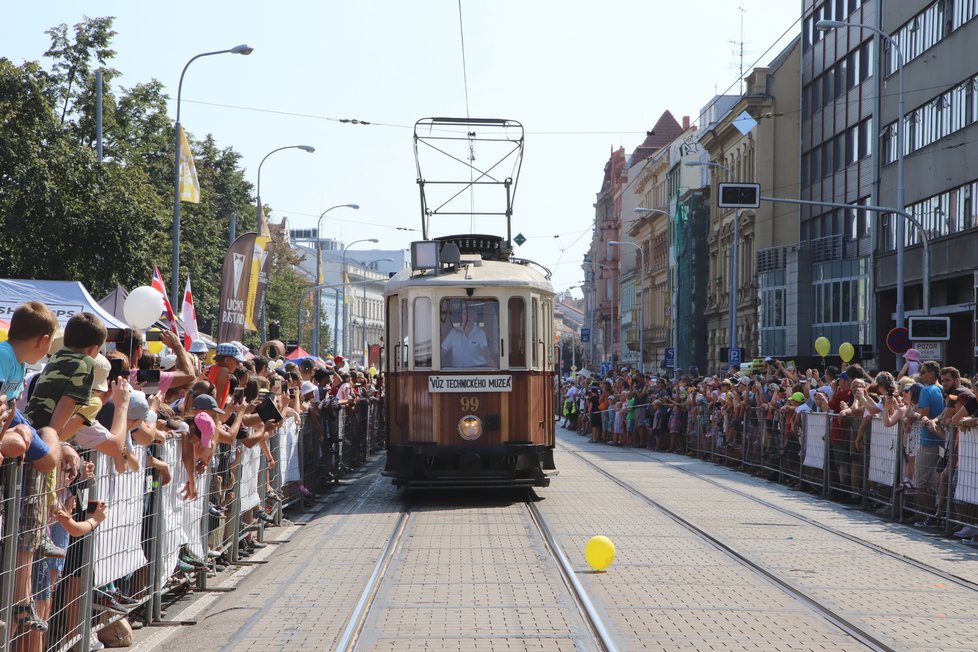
<point x="466" y="344"/>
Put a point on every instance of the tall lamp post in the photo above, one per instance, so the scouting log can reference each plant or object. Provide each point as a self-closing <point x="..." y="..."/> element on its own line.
<point x="258" y="215"/>
<point x="363" y="316"/>
<point x="175" y="260"/>
<point x="319" y="276"/>
<point x="734" y="254"/>
<point x="346" y="340"/>
<point x="641" y="302"/>
<point x="826" y="25"/>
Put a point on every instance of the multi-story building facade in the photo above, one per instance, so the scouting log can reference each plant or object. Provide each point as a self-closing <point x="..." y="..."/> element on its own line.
<point x="937" y="39"/>
<point x="645" y="291"/>
<point x="754" y="141"/>
<point x="601" y="271"/>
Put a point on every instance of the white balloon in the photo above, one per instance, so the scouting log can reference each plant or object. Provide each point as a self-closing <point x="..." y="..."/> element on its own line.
<point x="143" y="307"/>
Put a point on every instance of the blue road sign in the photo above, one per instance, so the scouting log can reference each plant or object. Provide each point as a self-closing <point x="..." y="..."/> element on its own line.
<point x="735" y="355"/>
<point x="669" y="358"/>
<point x="585" y="334"/>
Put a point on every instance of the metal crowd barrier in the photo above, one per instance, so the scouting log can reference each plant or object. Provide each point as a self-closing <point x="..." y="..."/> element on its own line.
<point x="152" y="530"/>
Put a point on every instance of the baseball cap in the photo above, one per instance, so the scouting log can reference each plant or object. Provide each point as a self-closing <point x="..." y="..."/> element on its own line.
<point x="307" y="387"/>
<point x="198" y="346"/>
<point x="206" y="402"/>
<point x="168" y="362"/>
<point x="768" y="359"/>
<point x="206" y="425"/>
<point x="307" y="364"/>
<point x="744" y="380"/>
<point x="797" y="397"/>
<point x="138" y="406"/>
<point x="102" y="369"/>
<point x="339" y="361"/>
<point x="230" y="350"/>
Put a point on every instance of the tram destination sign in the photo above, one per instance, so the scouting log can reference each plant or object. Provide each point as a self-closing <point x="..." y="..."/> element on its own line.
<point x="457" y="384"/>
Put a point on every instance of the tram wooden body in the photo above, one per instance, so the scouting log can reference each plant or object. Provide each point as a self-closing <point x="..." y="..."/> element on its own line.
<point x="458" y="425"/>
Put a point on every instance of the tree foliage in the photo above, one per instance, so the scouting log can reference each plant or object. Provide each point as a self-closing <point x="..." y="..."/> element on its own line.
<point x="65" y="215"/>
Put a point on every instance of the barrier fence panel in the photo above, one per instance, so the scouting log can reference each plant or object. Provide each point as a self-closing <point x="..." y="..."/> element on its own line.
<point x="884" y="464"/>
<point x="10" y="486"/>
<point x="813" y="442"/>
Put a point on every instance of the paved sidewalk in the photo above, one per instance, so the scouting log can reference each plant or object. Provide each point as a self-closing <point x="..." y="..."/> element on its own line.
<point x="906" y="607"/>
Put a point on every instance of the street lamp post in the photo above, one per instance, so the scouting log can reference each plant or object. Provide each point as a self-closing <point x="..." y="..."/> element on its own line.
<point x="258" y="217"/>
<point x="346" y="340"/>
<point x="175" y="260"/>
<point x="825" y="25"/>
<point x="319" y="276"/>
<point x="363" y="316"/>
<point x="641" y="302"/>
<point x="734" y="254"/>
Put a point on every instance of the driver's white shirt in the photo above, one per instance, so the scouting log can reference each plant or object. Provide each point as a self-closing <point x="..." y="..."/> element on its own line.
<point x="465" y="350"/>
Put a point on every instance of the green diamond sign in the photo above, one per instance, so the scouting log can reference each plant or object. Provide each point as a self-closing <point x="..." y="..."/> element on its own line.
<point x="519" y="239"/>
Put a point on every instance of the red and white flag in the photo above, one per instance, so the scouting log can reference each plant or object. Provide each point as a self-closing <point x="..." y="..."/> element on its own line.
<point x="189" y="316"/>
<point x="159" y="287"/>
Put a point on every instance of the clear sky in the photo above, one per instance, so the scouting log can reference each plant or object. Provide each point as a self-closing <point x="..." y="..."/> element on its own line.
<point x="582" y="76"/>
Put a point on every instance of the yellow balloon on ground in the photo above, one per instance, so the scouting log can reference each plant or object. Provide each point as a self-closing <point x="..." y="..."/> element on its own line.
<point x="846" y="351"/>
<point x="599" y="552"/>
<point x="822" y="346"/>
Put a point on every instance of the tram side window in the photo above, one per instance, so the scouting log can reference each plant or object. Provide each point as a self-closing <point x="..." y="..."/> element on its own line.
<point x="469" y="333"/>
<point x="535" y="335"/>
<point x="403" y="362"/>
<point x="517" y="332"/>
<point x="422" y="332"/>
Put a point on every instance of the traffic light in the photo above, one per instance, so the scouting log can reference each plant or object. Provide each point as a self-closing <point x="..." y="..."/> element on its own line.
<point x="739" y="195"/>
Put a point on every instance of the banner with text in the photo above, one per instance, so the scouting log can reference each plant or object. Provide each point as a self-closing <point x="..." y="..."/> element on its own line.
<point x="470" y="384"/>
<point x="235" y="283"/>
<point x="261" y="263"/>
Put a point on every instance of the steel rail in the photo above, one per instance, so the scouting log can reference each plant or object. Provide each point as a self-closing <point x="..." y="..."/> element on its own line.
<point x="586" y="608"/>
<point x="354" y="625"/>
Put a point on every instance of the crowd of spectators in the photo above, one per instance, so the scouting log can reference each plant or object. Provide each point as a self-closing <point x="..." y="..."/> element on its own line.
<point x="112" y="400"/>
<point x="931" y="404"/>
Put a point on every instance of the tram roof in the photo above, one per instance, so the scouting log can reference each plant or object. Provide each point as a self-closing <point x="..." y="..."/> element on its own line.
<point x="473" y="273"/>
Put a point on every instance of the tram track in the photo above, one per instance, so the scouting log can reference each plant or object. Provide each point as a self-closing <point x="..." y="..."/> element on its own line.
<point x="916" y="563"/>
<point x="601" y="638"/>
<point x="830" y="615"/>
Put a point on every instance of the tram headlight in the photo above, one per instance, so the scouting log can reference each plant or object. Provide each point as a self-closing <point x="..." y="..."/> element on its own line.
<point x="470" y="427"/>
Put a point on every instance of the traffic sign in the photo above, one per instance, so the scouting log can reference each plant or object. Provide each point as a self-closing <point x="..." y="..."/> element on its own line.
<point x="930" y="350"/>
<point x="585" y="334"/>
<point x="519" y="239"/>
<point x="735" y="355"/>
<point x="669" y="358"/>
<point x="739" y="195"/>
<point x="898" y="340"/>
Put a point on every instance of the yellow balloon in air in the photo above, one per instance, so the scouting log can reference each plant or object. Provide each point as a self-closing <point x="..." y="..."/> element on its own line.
<point x="823" y="346"/>
<point x="846" y="352"/>
<point x="599" y="552"/>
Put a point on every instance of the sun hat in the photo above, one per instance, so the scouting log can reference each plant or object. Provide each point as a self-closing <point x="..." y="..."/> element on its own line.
<point x="307" y="387"/>
<point x="198" y="346"/>
<point x="913" y="355"/>
<point x="206" y="426"/>
<point x="230" y="350"/>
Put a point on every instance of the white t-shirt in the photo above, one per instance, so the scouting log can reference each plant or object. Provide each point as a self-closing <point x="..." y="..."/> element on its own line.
<point x="465" y="349"/>
<point x="90" y="437"/>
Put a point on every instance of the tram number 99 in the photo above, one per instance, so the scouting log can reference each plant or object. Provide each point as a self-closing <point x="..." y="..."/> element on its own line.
<point x="470" y="404"/>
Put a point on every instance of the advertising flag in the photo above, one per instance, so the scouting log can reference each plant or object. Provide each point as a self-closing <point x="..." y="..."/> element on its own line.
<point x="235" y="283"/>
<point x="260" y="264"/>
<point x="189" y="187"/>
<point x="157" y="284"/>
<point x="189" y="316"/>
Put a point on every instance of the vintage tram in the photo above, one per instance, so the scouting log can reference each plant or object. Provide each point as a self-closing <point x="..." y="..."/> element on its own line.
<point x="469" y="357"/>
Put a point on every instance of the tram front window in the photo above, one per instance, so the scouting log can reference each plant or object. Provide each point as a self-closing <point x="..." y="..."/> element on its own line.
<point x="469" y="333"/>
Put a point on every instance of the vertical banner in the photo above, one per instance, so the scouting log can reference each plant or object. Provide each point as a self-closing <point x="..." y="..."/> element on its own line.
<point x="235" y="282"/>
<point x="189" y="186"/>
<point x="261" y="262"/>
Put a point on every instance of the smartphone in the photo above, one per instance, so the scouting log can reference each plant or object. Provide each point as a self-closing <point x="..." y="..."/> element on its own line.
<point x="148" y="376"/>
<point x="116" y="368"/>
<point x="238" y="395"/>
<point x="153" y="336"/>
<point x="92" y="506"/>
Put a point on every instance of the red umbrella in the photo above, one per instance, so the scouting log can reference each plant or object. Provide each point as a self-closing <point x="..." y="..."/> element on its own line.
<point x="298" y="353"/>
